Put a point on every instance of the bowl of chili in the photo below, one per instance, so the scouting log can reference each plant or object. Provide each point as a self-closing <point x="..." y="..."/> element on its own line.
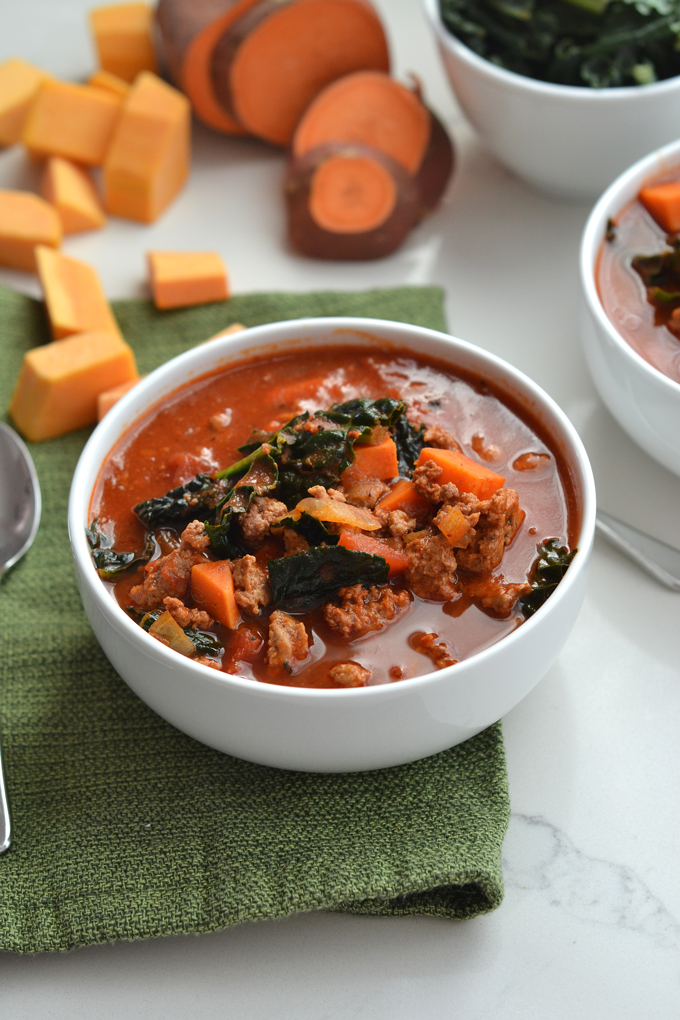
<point x="631" y="334"/>
<point x="376" y="610"/>
<point x="568" y="140"/>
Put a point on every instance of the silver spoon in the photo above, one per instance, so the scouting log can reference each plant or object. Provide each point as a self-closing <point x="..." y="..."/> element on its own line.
<point x="19" y="519"/>
<point x="660" y="560"/>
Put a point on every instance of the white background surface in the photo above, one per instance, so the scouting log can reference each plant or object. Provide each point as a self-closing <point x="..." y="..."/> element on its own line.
<point x="590" y="926"/>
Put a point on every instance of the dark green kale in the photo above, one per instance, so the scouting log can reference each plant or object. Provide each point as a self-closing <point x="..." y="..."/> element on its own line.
<point x="205" y="642"/>
<point x="185" y="503"/>
<point x="410" y="440"/>
<point x="110" y="563"/>
<point x="661" y="277"/>
<point x="316" y="532"/>
<point x="594" y="43"/>
<point x="260" y="478"/>
<point x="549" y="569"/>
<point x="144" y="617"/>
<point x="308" y="579"/>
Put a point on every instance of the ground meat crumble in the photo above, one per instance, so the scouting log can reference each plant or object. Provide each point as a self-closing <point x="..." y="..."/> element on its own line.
<point x="287" y="641"/>
<point x="362" y="610"/>
<point x="251" y="584"/>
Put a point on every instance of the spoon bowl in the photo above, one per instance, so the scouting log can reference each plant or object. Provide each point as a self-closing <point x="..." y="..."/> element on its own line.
<point x="20" y="506"/>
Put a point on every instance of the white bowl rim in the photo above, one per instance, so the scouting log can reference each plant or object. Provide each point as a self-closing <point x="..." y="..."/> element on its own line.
<point x="608" y="203"/>
<point x="579" y="93"/>
<point x="79" y="501"/>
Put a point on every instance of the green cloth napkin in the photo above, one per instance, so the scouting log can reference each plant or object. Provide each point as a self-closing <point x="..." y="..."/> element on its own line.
<point x="124" y="827"/>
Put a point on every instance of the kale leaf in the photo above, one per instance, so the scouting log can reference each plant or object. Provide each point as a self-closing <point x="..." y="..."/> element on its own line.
<point x="550" y="568"/>
<point x="110" y="563"/>
<point x="310" y="528"/>
<point x="205" y="642"/>
<point x="174" y="506"/>
<point x="410" y="440"/>
<point x="307" y="579"/>
<point x="261" y="477"/>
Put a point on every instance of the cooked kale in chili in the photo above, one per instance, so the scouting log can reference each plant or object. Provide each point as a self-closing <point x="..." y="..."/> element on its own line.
<point x="593" y="43"/>
<point x="260" y="525"/>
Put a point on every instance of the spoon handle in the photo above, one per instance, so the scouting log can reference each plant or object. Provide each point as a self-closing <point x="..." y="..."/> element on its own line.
<point x="660" y="560"/>
<point x="5" y="824"/>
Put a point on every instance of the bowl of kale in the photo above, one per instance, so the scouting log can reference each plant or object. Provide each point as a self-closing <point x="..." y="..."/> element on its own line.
<point x="566" y="93"/>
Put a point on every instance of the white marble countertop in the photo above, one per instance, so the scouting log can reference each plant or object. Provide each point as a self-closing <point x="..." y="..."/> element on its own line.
<point x="590" y="925"/>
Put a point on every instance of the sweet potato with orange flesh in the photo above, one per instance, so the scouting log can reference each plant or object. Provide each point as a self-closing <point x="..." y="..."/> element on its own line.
<point x="19" y="84"/>
<point x="74" y="121"/>
<point x="466" y="474"/>
<point x="372" y="109"/>
<point x="212" y="588"/>
<point x="397" y="561"/>
<point x="403" y="496"/>
<point x="26" y="220"/>
<point x="107" y="399"/>
<point x="180" y="279"/>
<point x="109" y="82"/>
<point x="74" y="297"/>
<point x="147" y="162"/>
<point x="189" y="33"/>
<point x="59" y="383"/>
<point x="372" y="462"/>
<point x="349" y="202"/>
<point x="662" y="201"/>
<point x="123" y="38"/>
<point x="271" y="62"/>
<point x="70" y="189"/>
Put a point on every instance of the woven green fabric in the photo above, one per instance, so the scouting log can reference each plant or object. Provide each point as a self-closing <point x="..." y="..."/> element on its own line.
<point x="124" y="827"/>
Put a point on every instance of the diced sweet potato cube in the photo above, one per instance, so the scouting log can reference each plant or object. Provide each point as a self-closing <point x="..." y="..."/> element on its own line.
<point x="74" y="121"/>
<point x="181" y="278"/>
<point x="74" y="296"/>
<point x="148" y="159"/>
<point x="108" y="398"/>
<point x="370" y="462"/>
<point x="110" y="83"/>
<point x="70" y="190"/>
<point x="462" y="471"/>
<point x="26" y="220"/>
<point x="19" y="83"/>
<point x="212" y="586"/>
<point x="662" y="201"/>
<point x="123" y="37"/>
<point x="59" y="383"/>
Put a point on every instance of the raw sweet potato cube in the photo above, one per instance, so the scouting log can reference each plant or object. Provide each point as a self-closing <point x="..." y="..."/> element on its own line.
<point x="181" y="278"/>
<point x="109" y="82"/>
<point x="59" y="383"/>
<point x="108" y="398"/>
<point x="19" y="83"/>
<point x="26" y="220"/>
<point x="123" y="37"/>
<point x="148" y="159"/>
<point x="70" y="190"/>
<point x="74" y="296"/>
<point x="74" y="121"/>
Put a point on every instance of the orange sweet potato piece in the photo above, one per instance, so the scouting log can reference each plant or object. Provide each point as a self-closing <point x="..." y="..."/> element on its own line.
<point x="396" y="560"/>
<point x="212" y="587"/>
<point x="19" y="83"/>
<point x="26" y="220"/>
<point x="59" y="383"/>
<point x="269" y="65"/>
<point x="662" y="201"/>
<point x="181" y="278"/>
<point x="466" y="474"/>
<point x="123" y="37"/>
<point x="70" y="190"/>
<point x="403" y="496"/>
<point x="74" y="121"/>
<point x="109" y="82"/>
<point x="147" y="161"/>
<point x="370" y="462"/>
<point x="108" y="398"/>
<point x="74" y="296"/>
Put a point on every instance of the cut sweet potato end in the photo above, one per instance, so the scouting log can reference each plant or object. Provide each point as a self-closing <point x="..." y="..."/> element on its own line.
<point x="662" y="202"/>
<point x="371" y="108"/>
<point x="212" y="587"/>
<point x="351" y="194"/>
<point x="291" y="55"/>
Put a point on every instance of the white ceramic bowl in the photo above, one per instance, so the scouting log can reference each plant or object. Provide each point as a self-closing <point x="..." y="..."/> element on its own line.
<point x="331" y="730"/>
<point x="644" y="401"/>
<point x="568" y="141"/>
